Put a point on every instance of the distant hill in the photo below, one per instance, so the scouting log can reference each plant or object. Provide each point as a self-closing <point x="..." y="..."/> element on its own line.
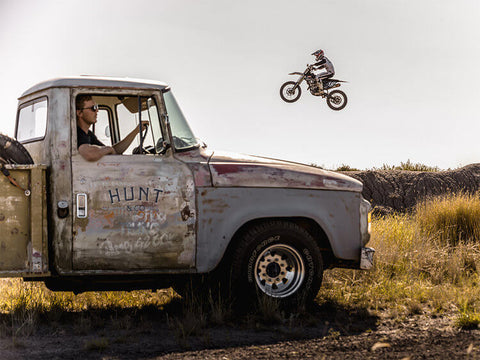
<point x="400" y="190"/>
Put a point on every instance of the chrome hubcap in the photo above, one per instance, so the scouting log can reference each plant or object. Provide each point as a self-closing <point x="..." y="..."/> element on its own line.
<point x="279" y="271"/>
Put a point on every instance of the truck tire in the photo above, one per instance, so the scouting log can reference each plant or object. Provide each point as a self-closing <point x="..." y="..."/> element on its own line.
<point x="279" y="260"/>
<point x="12" y="152"/>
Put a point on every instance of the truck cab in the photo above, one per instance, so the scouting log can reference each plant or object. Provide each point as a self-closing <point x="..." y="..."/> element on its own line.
<point x="168" y="208"/>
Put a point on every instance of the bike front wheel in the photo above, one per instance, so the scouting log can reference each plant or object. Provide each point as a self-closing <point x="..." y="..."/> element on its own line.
<point x="290" y="93"/>
<point x="337" y="100"/>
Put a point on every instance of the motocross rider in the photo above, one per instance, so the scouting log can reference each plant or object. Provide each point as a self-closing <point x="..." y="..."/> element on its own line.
<point x="322" y="62"/>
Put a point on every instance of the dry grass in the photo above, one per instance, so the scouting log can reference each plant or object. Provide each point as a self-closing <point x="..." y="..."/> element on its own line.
<point x="17" y="296"/>
<point x="24" y="306"/>
<point x="426" y="262"/>
<point x="451" y="219"/>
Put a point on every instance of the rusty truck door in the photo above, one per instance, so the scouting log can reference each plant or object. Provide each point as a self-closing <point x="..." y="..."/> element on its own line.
<point x="132" y="212"/>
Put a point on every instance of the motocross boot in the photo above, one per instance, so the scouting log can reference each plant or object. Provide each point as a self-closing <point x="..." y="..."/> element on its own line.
<point x="320" y="87"/>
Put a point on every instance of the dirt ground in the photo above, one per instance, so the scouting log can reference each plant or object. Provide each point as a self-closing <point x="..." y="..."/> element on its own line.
<point x="326" y="332"/>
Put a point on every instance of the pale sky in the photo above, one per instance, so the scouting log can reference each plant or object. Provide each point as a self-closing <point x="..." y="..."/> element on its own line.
<point x="413" y="68"/>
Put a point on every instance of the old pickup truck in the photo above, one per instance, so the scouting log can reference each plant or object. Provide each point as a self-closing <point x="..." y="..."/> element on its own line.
<point x="169" y="210"/>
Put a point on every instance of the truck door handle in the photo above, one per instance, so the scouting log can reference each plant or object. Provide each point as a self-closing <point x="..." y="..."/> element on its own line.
<point x="81" y="206"/>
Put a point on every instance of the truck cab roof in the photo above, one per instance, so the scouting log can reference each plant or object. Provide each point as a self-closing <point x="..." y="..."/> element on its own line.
<point x="96" y="82"/>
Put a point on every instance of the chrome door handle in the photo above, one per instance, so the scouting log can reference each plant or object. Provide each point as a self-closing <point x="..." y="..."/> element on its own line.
<point x="82" y="208"/>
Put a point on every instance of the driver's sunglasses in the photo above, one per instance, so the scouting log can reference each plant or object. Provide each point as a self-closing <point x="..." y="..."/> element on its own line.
<point x="93" y="108"/>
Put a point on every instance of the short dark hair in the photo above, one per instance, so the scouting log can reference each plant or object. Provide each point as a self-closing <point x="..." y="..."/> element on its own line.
<point x="80" y="100"/>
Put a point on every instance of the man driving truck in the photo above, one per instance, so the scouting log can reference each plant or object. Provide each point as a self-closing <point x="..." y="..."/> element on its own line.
<point x="88" y="144"/>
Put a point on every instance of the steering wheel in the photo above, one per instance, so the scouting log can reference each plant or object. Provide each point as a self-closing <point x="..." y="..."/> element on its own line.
<point x="146" y="150"/>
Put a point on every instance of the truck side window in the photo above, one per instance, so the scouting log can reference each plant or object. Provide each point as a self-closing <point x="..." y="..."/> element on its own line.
<point x="102" y="127"/>
<point x="128" y="117"/>
<point x="32" y="121"/>
<point x="118" y="116"/>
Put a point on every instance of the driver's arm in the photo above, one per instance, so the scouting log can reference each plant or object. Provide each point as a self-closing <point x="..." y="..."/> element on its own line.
<point x="320" y="64"/>
<point x="94" y="152"/>
<point x="123" y="144"/>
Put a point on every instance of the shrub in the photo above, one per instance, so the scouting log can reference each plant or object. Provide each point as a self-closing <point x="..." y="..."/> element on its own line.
<point x="409" y="166"/>
<point x="467" y="318"/>
<point x="451" y="219"/>
<point x="345" y="167"/>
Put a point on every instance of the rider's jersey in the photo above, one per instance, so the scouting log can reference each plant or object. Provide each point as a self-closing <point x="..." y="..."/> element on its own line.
<point x="327" y="65"/>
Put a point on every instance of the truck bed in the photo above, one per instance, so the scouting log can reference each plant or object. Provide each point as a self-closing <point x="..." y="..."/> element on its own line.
<point x="23" y="222"/>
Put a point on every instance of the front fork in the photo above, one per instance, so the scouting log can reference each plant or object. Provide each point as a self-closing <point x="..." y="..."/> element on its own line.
<point x="299" y="81"/>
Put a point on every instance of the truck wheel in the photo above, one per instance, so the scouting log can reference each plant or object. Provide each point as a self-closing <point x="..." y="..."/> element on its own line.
<point x="12" y="152"/>
<point x="280" y="260"/>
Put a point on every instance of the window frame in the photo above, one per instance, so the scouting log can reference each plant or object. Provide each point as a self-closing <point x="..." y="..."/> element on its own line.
<point x="113" y="136"/>
<point x="156" y="94"/>
<point x="27" y="104"/>
<point x="169" y="126"/>
<point x="159" y="114"/>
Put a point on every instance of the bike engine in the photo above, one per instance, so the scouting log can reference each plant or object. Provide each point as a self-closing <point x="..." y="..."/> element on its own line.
<point x="313" y="86"/>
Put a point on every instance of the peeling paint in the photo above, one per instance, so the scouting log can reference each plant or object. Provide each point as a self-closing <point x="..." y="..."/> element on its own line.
<point x="141" y="218"/>
<point x="23" y="223"/>
<point x="249" y="171"/>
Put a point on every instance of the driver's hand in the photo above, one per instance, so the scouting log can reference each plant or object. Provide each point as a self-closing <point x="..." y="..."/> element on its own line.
<point x="145" y="124"/>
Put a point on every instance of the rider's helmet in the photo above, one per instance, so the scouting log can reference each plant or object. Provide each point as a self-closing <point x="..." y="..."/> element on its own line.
<point x="319" y="54"/>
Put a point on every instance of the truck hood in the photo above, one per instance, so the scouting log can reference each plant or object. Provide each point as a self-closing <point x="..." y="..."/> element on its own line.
<point x="230" y="169"/>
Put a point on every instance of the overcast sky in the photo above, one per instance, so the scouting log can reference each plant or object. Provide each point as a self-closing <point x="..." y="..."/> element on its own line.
<point x="413" y="70"/>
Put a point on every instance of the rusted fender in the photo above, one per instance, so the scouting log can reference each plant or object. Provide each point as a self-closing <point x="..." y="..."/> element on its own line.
<point x="229" y="169"/>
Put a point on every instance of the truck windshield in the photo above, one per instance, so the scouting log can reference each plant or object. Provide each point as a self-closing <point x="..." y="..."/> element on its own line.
<point x="183" y="138"/>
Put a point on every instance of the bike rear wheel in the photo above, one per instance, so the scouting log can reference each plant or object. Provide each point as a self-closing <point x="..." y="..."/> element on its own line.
<point x="337" y="100"/>
<point x="289" y="93"/>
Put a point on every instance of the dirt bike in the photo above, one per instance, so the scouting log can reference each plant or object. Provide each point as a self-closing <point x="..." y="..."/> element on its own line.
<point x="291" y="91"/>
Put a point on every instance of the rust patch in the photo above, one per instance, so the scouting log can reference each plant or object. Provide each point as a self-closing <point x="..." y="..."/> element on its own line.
<point x="109" y="217"/>
<point x="2" y="217"/>
<point x="185" y="213"/>
<point x="223" y="169"/>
